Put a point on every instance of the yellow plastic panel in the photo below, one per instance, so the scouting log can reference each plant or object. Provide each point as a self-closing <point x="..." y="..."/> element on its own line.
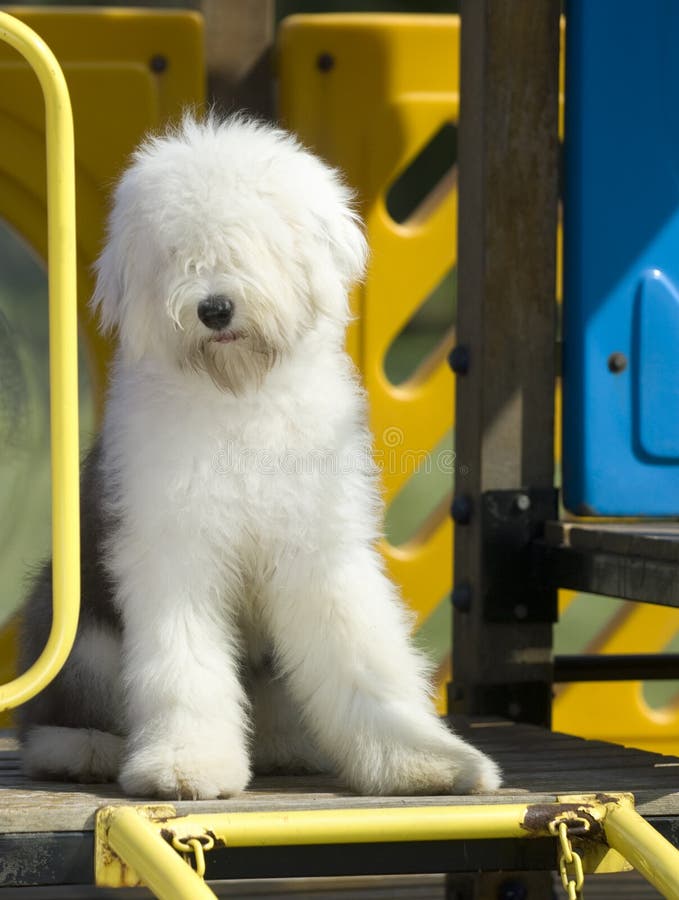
<point x="128" y="71"/>
<point x="392" y="86"/>
<point x="618" y="711"/>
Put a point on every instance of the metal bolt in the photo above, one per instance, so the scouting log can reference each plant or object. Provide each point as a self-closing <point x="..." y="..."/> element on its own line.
<point x="617" y="363"/>
<point x="325" y="62"/>
<point x="512" y="889"/>
<point x="523" y="502"/>
<point x="461" y="509"/>
<point x="158" y="63"/>
<point x="462" y="597"/>
<point x="459" y="359"/>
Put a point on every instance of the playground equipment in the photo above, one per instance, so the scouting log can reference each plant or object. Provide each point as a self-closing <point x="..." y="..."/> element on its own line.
<point x="63" y="363"/>
<point x="129" y="71"/>
<point x="552" y="814"/>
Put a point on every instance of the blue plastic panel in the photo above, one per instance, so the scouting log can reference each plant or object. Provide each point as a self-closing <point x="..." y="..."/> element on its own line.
<point x="656" y="372"/>
<point x="621" y="258"/>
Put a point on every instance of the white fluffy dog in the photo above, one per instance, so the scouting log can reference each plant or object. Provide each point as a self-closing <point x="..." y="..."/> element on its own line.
<point x="236" y="614"/>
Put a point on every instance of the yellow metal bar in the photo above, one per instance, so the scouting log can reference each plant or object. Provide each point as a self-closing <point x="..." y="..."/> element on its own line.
<point x="133" y="846"/>
<point x="63" y="362"/>
<point x="159" y="867"/>
<point x="141" y="839"/>
<point x="642" y="846"/>
<point x="356" y="826"/>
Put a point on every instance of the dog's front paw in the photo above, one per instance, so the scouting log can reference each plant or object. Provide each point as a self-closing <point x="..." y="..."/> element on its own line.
<point x="184" y="773"/>
<point x="454" y="769"/>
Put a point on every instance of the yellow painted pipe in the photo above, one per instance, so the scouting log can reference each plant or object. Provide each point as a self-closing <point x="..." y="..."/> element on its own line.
<point x="160" y="867"/>
<point x="354" y="826"/>
<point x="63" y="362"/>
<point x="644" y="848"/>
<point x="138" y="841"/>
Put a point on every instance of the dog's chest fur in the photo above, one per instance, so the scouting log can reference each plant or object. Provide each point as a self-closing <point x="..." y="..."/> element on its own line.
<point x="263" y="468"/>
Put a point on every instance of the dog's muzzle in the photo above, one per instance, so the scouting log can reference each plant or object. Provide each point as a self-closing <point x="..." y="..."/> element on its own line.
<point x="215" y="312"/>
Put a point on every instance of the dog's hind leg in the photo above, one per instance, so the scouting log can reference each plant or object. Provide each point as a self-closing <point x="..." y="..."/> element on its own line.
<point x="341" y="638"/>
<point x="71" y="754"/>
<point x="282" y="742"/>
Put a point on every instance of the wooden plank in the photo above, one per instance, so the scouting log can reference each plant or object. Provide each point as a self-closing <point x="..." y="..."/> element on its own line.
<point x="396" y="887"/>
<point x="7" y="740"/>
<point x="651" y="540"/>
<point x="508" y="189"/>
<point x="52" y="860"/>
<point x="537" y="765"/>
<point x="39" y="808"/>
<point x="634" y="561"/>
<point x="46" y="859"/>
<point x="639" y="578"/>
<point x="619" y="886"/>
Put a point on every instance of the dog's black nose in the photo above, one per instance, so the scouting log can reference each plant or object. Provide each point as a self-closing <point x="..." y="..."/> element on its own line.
<point x="216" y="311"/>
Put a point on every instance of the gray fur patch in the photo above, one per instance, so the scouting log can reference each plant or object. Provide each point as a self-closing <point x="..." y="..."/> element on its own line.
<point x="82" y="695"/>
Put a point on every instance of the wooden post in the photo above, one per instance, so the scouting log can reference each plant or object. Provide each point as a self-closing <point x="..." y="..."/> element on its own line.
<point x="238" y="42"/>
<point x="506" y="331"/>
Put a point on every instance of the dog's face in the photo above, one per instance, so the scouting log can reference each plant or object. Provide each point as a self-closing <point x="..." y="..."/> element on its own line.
<point x="227" y="243"/>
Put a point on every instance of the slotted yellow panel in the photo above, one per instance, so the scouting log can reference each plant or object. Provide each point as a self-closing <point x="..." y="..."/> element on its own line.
<point x="369" y="93"/>
<point x="127" y="71"/>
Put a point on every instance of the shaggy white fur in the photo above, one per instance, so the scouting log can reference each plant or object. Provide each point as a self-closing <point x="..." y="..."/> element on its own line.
<point x="256" y="621"/>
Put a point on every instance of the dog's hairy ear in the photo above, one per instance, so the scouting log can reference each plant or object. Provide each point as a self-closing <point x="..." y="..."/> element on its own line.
<point x="109" y="288"/>
<point x="112" y="267"/>
<point x="340" y="247"/>
<point x="121" y="271"/>
<point x="342" y="227"/>
<point x="348" y="245"/>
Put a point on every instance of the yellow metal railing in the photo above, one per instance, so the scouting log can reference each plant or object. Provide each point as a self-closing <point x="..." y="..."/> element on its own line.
<point x="598" y="834"/>
<point x="63" y="347"/>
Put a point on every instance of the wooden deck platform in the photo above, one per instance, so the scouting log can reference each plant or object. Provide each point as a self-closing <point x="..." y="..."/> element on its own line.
<point x="46" y="828"/>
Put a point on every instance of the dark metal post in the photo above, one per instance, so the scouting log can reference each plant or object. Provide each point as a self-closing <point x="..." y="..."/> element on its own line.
<point x="238" y="43"/>
<point x="506" y="321"/>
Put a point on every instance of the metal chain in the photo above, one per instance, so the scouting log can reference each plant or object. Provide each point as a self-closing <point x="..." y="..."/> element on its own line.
<point x="570" y="861"/>
<point x="197" y="846"/>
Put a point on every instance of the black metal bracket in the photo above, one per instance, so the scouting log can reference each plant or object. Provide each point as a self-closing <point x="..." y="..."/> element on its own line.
<point x="512" y="520"/>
